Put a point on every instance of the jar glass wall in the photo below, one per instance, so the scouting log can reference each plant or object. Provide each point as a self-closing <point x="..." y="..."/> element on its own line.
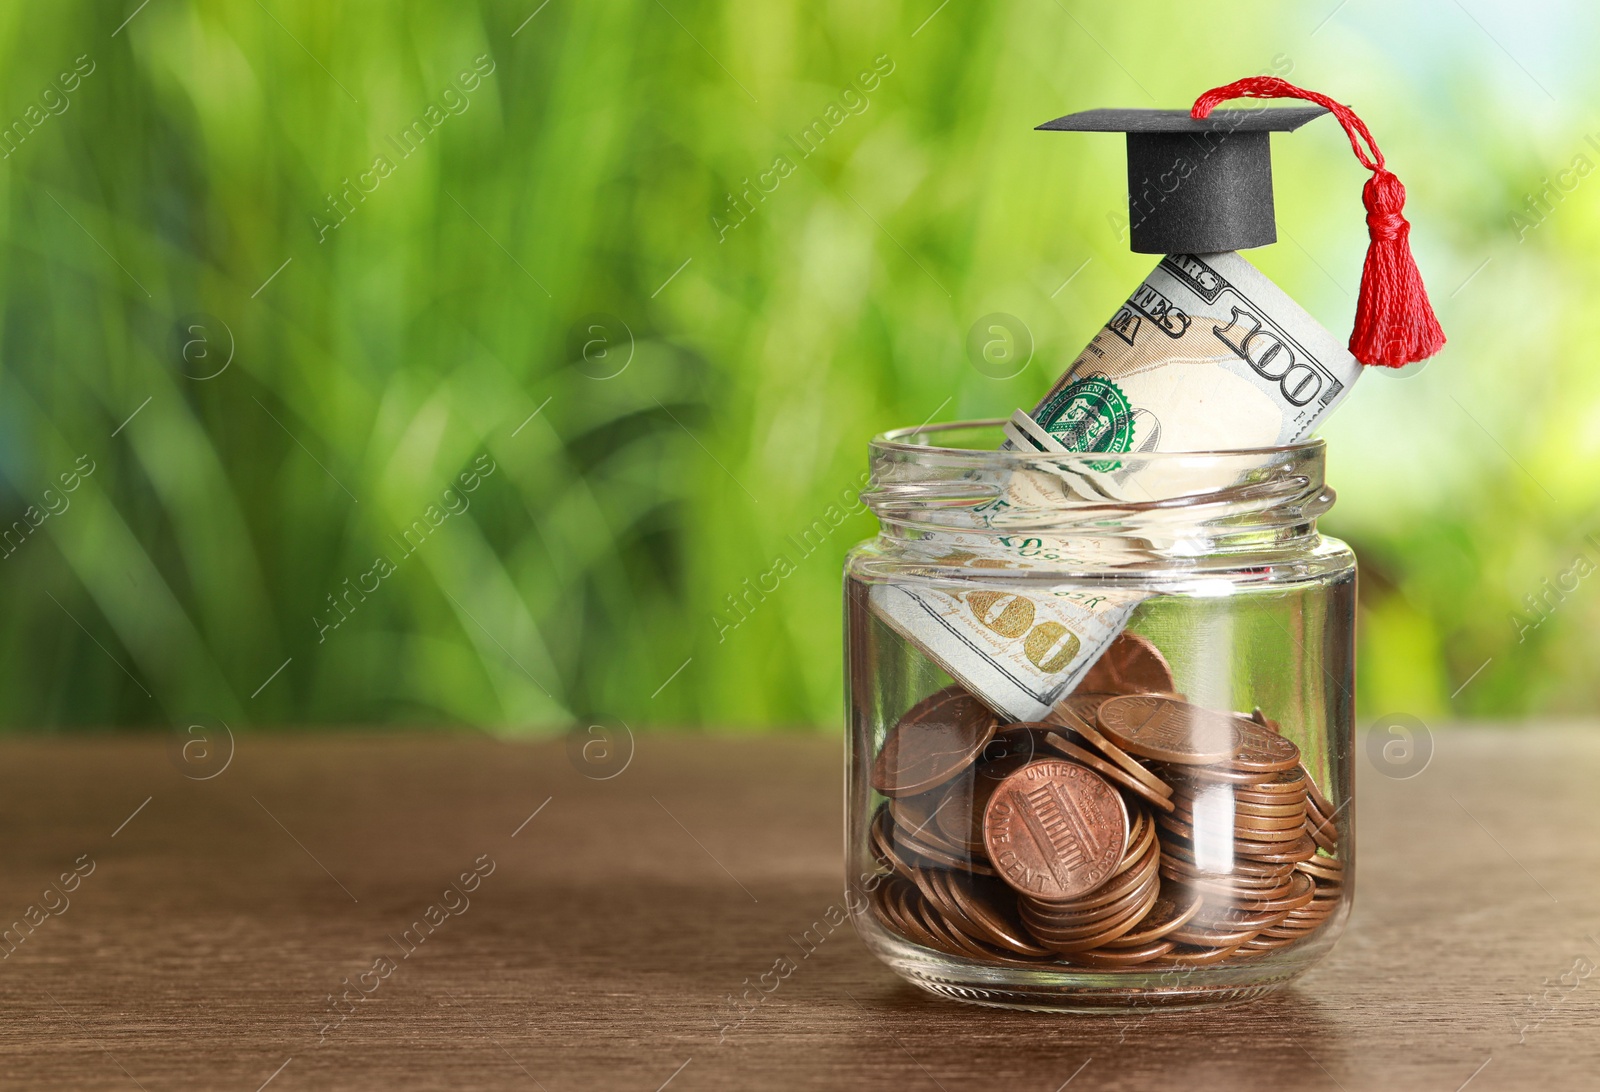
<point x="1100" y="721"/>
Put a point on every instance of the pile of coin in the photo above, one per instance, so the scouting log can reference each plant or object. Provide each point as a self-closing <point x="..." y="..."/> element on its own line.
<point x="1132" y="828"/>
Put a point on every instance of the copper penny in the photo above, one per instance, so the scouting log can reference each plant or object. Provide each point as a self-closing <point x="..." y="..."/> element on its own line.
<point x="1247" y="927"/>
<point x="1221" y="774"/>
<point x="1085" y="705"/>
<point x="1055" y="829"/>
<point x="1189" y="955"/>
<point x="1268" y="811"/>
<point x="1269" y="837"/>
<point x="1115" y="774"/>
<point x="1141" y="837"/>
<point x="1179" y="868"/>
<point x="880" y="908"/>
<point x="1130" y="665"/>
<point x="1250" y="825"/>
<point x="1174" y="852"/>
<point x="1127" y="957"/>
<point x="1263" y="749"/>
<point x="1284" y="829"/>
<point x="1183" y="829"/>
<point x="1318" y="800"/>
<point x="1183" y="809"/>
<point x="1220" y="892"/>
<point x="1266" y="941"/>
<point x="1245" y="872"/>
<point x="1232" y="883"/>
<point x="920" y="911"/>
<point x="924" y="879"/>
<point x="1291" y="852"/>
<point x="1240" y="871"/>
<point x="1256" y="947"/>
<point x="1205" y="937"/>
<point x="1062" y="937"/>
<point x="1169" y="730"/>
<point x="937" y="738"/>
<point x="945" y="939"/>
<point x="1318" y="909"/>
<point x="1310" y="918"/>
<point x="960" y="816"/>
<point x="937" y="891"/>
<point x="1311" y="915"/>
<point x="902" y="861"/>
<point x="992" y="907"/>
<point x="1323" y="839"/>
<point x="948" y="928"/>
<point x="1133" y="889"/>
<point x="931" y="882"/>
<point x="1281" y="799"/>
<point x="916" y="814"/>
<point x="1289" y="934"/>
<point x="904" y="851"/>
<point x="1323" y="868"/>
<point x="878" y="838"/>
<point x="1024" y="740"/>
<point x="904" y="898"/>
<point x="1071" y="940"/>
<point x="922" y="853"/>
<point x="1141" y="853"/>
<point x="1173" y="908"/>
<point x="1284" y="787"/>
<point x="893" y="911"/>
<point x="1052" y="927"/>
<point x="1100" y="902"/>
<point x="1322" y="828"/>
<point x="1082" y="726"/>
<point x="1213" y="917"/>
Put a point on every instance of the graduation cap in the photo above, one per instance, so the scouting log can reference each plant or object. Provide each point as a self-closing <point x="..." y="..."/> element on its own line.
<point x="1200" y="181"/>
<point x="1196" y="186"/>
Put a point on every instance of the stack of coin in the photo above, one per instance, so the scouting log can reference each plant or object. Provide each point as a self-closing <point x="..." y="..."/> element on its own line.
<point x="1131" y="828"/>
<point x="1320" y="814"/>
<point x="957" y="912"/>
<point x="1323" y="868"/>
<point x="1108" y="911"/>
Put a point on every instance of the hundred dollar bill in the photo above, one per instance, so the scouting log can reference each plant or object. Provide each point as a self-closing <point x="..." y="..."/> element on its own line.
<point x="1206" y="355"/>
<point x="1018" y="652"/>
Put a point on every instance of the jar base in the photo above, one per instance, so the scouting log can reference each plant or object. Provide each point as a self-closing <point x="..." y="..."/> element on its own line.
<point x="1100" y="998"/>
<point x="1041" y="988"/>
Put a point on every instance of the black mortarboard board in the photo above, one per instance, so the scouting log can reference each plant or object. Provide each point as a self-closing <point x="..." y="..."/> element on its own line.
<point x="1196" y="187"/>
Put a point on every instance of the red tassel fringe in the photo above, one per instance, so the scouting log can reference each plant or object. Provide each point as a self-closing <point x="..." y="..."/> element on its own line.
<point x="1395" y="324"/>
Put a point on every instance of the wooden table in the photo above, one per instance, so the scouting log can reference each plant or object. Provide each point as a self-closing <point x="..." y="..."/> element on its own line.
<point x="609" y="921"/>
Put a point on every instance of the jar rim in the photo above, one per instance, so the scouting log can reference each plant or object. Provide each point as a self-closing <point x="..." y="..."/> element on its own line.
<point x="1206" y="501"/>
<point x="897" y="441"/>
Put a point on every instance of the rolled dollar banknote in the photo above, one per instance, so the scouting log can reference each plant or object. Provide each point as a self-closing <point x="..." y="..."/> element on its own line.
<point x="1206" y="355"/>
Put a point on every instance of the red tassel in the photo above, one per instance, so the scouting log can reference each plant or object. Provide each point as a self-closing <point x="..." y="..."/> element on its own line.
<point x="1395" y="324"/>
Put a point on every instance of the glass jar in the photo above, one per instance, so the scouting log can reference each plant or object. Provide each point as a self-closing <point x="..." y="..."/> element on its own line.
<point x="1100" y="721"/>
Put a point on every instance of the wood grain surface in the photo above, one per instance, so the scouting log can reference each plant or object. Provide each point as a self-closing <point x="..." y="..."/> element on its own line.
<point x="603" y="937"/>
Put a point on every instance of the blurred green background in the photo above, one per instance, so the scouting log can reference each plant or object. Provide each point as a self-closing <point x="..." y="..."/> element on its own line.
<point x="577" y="353"/>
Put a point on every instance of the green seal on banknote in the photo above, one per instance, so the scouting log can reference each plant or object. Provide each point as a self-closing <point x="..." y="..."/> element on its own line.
<point x="1090" y="415"/>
